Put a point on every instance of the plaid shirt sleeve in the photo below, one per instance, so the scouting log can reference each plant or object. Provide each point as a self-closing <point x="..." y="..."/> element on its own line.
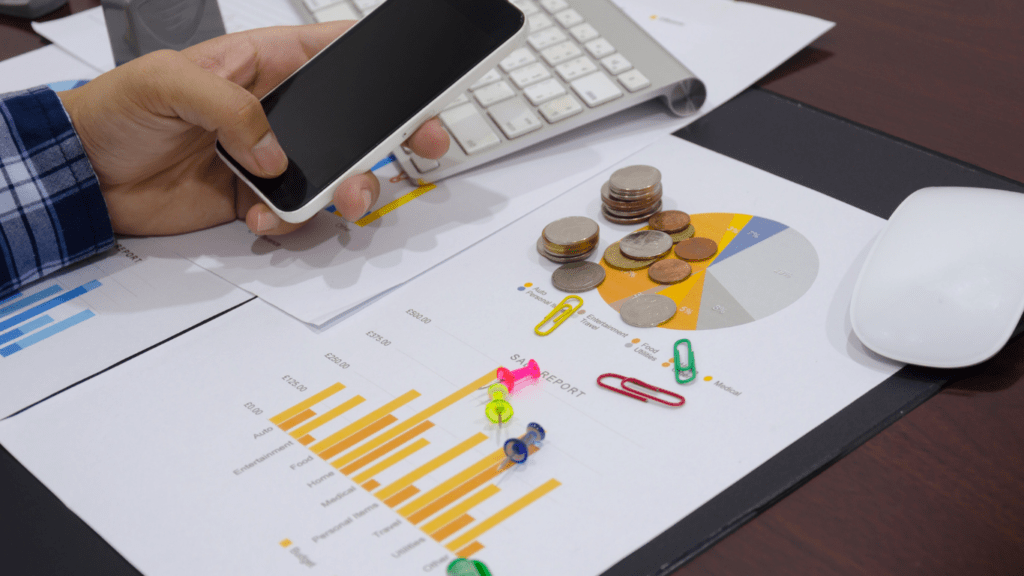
<point x="51" y="210"/>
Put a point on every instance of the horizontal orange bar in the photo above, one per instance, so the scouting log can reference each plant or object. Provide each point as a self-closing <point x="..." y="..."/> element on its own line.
<point x="432" y="465"/>
<point x="416" y="419"/>
<point x="391" y="460"/>
<point x="460" y="508"/>
<point x="503" y="514"/>
<point x="492" y="460"/>
<point x="460" y="491"/>
<point x="470" y="550"/>
<point x="357" y="437"/>
<point x="297" y="419"/>
<point x="369" y="486"/>
<point x="402" y="496"/>
<point x="306" y="440"/>
<point x="452" y="527"/>
<point x="327" y="416"/>
<point x="332" y="389"/>
<point x="364" y="421"/>
<point x="388" y="447"/>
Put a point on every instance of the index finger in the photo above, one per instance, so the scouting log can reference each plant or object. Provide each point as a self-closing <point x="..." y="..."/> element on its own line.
<point x="260" y="59"/>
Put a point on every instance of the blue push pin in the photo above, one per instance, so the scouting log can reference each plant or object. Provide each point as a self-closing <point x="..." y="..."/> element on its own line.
<point x="518" y="449"/>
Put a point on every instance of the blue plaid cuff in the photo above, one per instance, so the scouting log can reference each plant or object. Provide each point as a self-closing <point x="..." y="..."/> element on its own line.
<point x="51" y="210"/>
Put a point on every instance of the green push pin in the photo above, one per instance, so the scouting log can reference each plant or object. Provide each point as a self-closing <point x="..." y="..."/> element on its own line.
<point x="466" y="567"/>
<point x="498" y="410"/>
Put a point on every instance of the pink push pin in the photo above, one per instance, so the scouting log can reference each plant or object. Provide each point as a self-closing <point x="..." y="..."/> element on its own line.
<point x="514" y="379"/>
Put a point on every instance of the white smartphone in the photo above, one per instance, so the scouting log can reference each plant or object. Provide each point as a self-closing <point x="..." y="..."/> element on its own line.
<point x="357" y="100"/>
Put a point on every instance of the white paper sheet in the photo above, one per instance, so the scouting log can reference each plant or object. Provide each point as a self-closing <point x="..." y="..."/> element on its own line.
<point x="186" y="442"/>
<point x="330" y="266"/>
<point x="42" y="66"/>
<point x="74" y="324"/>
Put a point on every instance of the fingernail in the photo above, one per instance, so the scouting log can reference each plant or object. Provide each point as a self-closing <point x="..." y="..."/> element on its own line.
<point x="266" y="221"/>
<point x="269" y="155"/>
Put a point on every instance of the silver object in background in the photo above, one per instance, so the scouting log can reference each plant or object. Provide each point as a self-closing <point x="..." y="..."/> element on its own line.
<point x="138" y="27"/>
<point x="29" y="8"/>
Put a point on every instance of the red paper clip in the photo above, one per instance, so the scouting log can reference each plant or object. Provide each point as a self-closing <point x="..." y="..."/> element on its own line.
<point x="637" y="394"/>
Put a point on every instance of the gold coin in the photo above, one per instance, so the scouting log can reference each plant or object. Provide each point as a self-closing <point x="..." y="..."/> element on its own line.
<point x="669" y="271"/>
<point x="614" y="258"/>
<point x="688" y="233"/>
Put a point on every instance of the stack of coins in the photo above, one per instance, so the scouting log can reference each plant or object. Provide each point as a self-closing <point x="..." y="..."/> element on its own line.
<point x="632" y="194"/>
<point x="568" y="239"/>
<point x="638" y="250"/>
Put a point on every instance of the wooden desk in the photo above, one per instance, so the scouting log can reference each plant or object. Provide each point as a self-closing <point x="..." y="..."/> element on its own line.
<point x="942" y="490"/>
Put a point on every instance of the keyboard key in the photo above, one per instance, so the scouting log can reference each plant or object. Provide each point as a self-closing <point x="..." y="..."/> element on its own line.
<point x="424" y="164"/>
<point x="341" y="11"/>
<point x="462" y="99"/>
<point x="469" y="128"/>
<point x="634" y="80"/>
<point x="577" y="68"/>
<point x="527" y="6"/>
<point x="547" y="37"/>
<point x="493" y="93"/>
<point x="527" y="75"/>
<point x="544" y="91"/>
<point x="569" y="18"/>
<point x="489" y="78"/>
<point x="559" y="53"/>
<point x="367" y="6"/>
<point x="315" y="5"/>
<point x="519" y="57"/>
<point x="616" y="63"/>
<point x="560" y="108"/>
<point x="596" y="89"/>
<point x="554" y="5"/>
<point x="583" y="32"/>
<point x="600" y="48"/>
<point x="539" y="21"/>
<point x="514" y="118"/>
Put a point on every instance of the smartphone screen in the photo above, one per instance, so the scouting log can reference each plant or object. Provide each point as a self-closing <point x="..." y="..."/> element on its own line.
<point x="374" y="78"/>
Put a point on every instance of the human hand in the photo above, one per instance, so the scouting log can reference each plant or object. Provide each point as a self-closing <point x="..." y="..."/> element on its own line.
<point x="149" y="128"/>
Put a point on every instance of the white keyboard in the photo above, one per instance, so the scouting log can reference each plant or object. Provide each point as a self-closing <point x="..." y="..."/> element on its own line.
<point x="583" y="60"/>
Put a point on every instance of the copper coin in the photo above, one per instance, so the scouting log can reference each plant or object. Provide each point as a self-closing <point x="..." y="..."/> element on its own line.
<point x="631" y="220"/>
<point x="648" y="209"/>
<point x="635" y="179"/>
<point x="561" y="259"/>
<point x="578" y="277"/>
<point x="645" y="245"/>
<point x="696" y="249"/>
<point x="670" y="221"/>
<point x="614" y="258"/>
<point x="688" y="233"/>
<point x="669" y="271"/>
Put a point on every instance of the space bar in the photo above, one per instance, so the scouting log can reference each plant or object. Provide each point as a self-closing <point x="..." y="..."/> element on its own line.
<point x="469" y="128"/>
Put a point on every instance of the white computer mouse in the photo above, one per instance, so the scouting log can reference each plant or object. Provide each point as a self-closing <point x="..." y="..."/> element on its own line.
<point x="943" y="285"/>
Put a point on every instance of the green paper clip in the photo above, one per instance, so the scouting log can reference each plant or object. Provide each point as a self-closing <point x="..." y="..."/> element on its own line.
<point x="685" y="371"/>
<point x="562" y="312"/>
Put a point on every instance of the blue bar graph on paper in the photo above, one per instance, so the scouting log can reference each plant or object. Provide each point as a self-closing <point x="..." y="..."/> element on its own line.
<point x="46" y="333"/>
<point x="29" y="300"/>
<point x="48" y="305"/>
<point x="24" y="329"/>
<point x="11" y="297"/>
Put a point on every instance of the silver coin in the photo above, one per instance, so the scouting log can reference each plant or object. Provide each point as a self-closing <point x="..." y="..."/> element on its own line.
<point x="637" y="178"/>
<point x="634" y="196"/>
<point x="619" y="204"/>
<point x="571" y="230"/>
<point x="632" y="219"/>
<point x="646" y="210"/>
<point x="645" y="244"/>
<point x="560" y="259"/>
<point x="578" y="277"/>
<point x="647" y="310"/>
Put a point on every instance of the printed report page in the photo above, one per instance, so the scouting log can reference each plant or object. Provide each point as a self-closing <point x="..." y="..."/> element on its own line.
<point x="255" y="444"/>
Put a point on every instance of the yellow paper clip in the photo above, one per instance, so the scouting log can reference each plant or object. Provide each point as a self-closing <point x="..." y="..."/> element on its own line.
<point x="560" y="314"/>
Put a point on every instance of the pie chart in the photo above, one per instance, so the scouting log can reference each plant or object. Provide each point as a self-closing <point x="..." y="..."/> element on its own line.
<point x="762" y="266"/>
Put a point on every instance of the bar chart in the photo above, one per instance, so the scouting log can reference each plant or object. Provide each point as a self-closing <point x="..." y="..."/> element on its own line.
<point x="379" y="441"/>
<point x="24" y="320"/>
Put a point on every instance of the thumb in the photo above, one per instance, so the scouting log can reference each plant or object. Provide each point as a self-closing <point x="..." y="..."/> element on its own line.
<point x="178" y="87"/>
